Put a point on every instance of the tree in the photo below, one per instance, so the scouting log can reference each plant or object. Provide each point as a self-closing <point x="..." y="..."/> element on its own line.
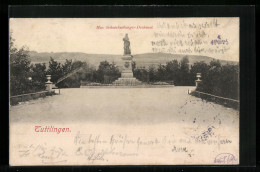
<point x="19" y="69"/>
<point x="113" y="72"/>
<point x="107" y="73"/>
<point x="55" y="70"/>
<point x="198" y="67"/>
<point x="12" y="48"/>
<point x="152" y="73"/>
<point x="90" y="74"/>
<point x="78" y="64"/>
<point x="103" y="69"/>
<point x="172" y="71"/>
<point x="184" y="71"/>
<point x="161" y="73"/>
<point x="67" y="67"/>
<point x="141" y="74"/>
<point x="133" y="66"/>
<point x="229" y="83"/>
<point x="38" y="74"/>
<point x="79" y="71"/>
<point x="213" y="80"/>
<point x="215" y="64"/>
<point x="221" y="81"/>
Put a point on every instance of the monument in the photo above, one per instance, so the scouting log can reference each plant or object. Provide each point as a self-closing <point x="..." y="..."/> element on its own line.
<point x="198" y="80"/>
<point x="127" y="77"/>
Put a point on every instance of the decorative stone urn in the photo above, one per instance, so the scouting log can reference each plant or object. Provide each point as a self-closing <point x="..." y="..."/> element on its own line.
<point x="48" y="84"/>
<point x="198" y="79"/>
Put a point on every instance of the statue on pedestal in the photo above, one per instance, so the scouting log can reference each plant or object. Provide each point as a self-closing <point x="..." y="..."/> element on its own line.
<point x="127" y="50"/>
<point x="127" y="77"/>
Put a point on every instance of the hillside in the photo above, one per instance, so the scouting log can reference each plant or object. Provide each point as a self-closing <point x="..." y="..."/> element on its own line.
<point x="143" y="60"/>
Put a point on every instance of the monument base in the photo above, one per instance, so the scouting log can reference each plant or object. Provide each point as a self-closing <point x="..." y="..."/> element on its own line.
<point x="127" y="77"/>
<point x="48" y="86"/>
<point x="127" y="81"/>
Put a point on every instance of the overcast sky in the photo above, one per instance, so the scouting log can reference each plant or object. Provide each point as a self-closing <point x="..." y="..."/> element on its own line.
<point x="82" y="35"/>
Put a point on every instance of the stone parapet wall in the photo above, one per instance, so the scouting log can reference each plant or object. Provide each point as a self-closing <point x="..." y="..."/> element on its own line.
<point x="30" y="96"/>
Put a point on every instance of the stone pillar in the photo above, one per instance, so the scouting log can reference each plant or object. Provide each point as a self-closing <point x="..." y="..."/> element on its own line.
<point x="48" y="84"/>
<point x="127" y="77"/>
<point x="198" y="80"/>
<point x="127" y="67"/>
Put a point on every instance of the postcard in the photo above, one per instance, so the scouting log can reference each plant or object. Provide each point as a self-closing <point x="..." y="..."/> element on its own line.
<point x="124" y="91"/>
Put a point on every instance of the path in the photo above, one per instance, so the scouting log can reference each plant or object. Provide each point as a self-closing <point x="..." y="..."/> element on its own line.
<point x="144" y="112"/>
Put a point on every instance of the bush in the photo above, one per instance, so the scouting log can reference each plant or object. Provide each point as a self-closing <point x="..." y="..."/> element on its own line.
<point x="221" y="81"/>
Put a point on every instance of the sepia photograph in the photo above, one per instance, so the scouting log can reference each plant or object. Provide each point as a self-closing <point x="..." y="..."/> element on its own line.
<point x="124" y="91"/>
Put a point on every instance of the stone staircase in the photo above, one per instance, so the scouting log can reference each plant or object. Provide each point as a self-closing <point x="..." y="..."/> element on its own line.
<point x="127" y="82"/>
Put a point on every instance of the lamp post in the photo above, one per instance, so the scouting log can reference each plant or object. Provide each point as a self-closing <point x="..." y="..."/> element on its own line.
<point x="198" y="79"/>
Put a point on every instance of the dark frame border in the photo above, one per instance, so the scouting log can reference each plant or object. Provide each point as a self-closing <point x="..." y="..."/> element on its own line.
<point x="247" y="55"/>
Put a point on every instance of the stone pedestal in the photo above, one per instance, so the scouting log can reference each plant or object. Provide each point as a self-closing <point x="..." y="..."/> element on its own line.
<point x="198" y="79"/>
<point x="197" y="82"/>
<point x="127" y="67"/>
<point x="48" y="84"/>
<point x="127" y="77"/>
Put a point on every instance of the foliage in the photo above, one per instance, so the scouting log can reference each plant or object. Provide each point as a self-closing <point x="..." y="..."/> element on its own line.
<point x="172" y="72"/>
<point x="141" y="74"/>
<point x="133" y="66"/>
<point x="161" y="74"/>
<point x="184" y="72"/>
<point x="19" y="69"/>
<point x="152" y="77"/>
<point x="73" y="81"/>
<point x="107" y="73"/>
<point x="67" y="67"/>
<point x="38" y="75"/>
<point x="221" y="81"/>
<point x="217" y="79"/>
<point x="198" y="67"/>
<point x="55" y="70"/>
